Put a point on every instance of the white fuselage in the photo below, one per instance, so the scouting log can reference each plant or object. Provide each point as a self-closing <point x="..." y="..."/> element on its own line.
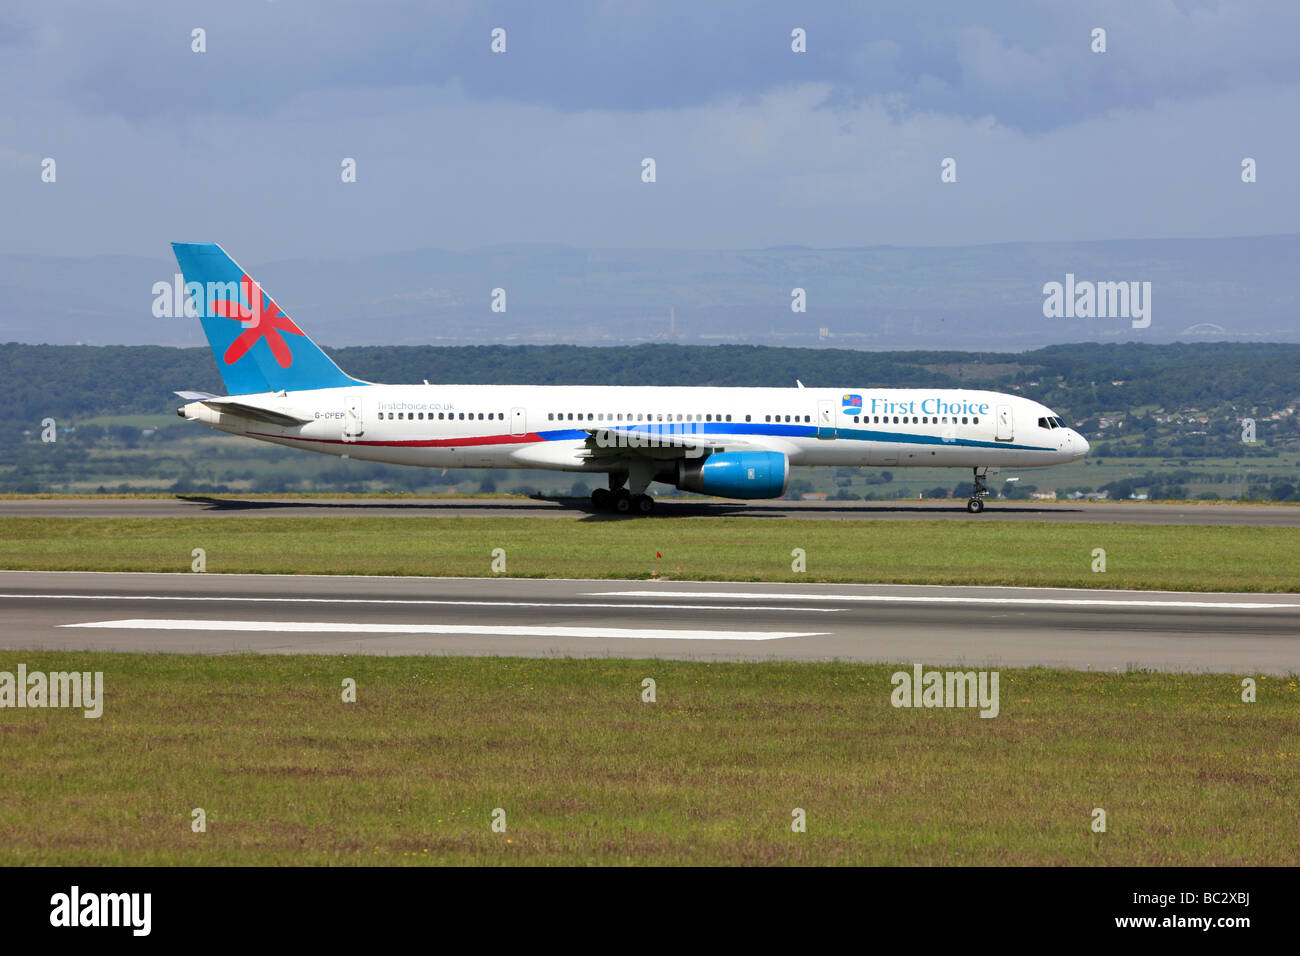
<point x="550" y="427"/>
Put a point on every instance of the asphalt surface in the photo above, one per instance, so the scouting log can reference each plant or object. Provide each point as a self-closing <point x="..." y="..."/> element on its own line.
<point x="1011" y="627"/>
<point x="580" y="508"/>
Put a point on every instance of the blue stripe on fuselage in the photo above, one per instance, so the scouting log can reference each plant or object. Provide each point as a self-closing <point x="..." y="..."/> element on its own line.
<point x="774" y="430"/>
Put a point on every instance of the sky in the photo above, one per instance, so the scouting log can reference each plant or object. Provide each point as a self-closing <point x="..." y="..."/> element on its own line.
<point x="755" y="145"/>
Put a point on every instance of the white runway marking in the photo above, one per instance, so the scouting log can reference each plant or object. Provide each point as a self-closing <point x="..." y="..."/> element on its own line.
<point x="937" y="599"/>
<point x="502" y="630"/>
<point x="313" y="600"/>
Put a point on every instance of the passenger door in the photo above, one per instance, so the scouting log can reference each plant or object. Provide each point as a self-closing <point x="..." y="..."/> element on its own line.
<point x="353" y="421"/>
<point x="518" y="422"/>
<point x="826" y="419"/>
<point x="1006" y="424"/>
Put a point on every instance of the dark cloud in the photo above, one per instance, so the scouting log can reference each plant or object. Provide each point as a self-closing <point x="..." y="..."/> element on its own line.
<point x="756" y="145"/>
<point x="1027" y="62"/>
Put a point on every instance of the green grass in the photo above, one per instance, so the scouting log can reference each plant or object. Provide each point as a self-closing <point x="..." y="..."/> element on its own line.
<point x="739" y="549"/>
<point x="588" y="773"/>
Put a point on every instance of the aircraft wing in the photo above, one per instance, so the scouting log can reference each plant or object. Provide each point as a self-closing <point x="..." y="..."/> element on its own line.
<point x="618" y="443"/>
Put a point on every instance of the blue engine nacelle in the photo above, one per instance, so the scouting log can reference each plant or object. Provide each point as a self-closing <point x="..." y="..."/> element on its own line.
<point x="736" y="474"/>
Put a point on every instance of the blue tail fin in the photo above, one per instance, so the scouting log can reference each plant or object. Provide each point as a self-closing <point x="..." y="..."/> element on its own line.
<point x="258" y="348"/>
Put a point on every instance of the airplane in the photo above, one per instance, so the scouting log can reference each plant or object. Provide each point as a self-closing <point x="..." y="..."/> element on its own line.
<point x="737" y="443"/>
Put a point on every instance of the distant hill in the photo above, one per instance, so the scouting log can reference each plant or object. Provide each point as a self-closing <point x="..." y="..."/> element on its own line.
<point x="1182" y="402"/>
<point x="883" y="297"/>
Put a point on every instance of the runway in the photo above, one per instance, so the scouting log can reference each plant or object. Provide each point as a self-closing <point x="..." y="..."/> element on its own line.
<point x="200" y="506"/>
<point x="970" y="626"/>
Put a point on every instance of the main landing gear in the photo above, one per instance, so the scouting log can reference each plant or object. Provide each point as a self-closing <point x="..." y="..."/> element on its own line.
<point x="631" y="500"/>
<point x="621" y="501"/>
<point x="976" y="503"/>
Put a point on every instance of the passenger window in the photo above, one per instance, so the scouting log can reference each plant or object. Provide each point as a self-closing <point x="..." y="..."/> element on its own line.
<point x="974" y="421"/>
<point x="963" y="420"/>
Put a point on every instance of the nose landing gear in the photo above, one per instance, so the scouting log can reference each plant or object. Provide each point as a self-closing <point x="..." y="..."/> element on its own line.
<point x="976" y="503"/>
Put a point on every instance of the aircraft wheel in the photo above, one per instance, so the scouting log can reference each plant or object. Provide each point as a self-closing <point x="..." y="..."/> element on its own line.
<point x="643" y="504"/>
<point x="623" y="504"/>
<point x="975" y="506"/>
<point x="602" y="499"/>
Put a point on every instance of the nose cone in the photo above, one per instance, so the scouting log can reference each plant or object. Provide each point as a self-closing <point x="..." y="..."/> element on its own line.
<point x="1079" y="446"/>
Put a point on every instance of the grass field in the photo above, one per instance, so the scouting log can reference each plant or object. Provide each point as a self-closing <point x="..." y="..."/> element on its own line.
<point x="588" y="773"/>
<point x="738" y="549"/>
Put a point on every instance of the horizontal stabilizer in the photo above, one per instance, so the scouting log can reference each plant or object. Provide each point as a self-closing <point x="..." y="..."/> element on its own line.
<point x="195" y="396"/>
<point x="226" y="406"/>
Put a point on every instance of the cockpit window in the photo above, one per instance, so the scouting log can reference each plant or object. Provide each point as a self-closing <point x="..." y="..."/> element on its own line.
<point x="1051" y="422"/>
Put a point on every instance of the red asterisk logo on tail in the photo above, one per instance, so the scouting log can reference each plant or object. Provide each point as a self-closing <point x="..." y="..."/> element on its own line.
<point x="267" y="322"/>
